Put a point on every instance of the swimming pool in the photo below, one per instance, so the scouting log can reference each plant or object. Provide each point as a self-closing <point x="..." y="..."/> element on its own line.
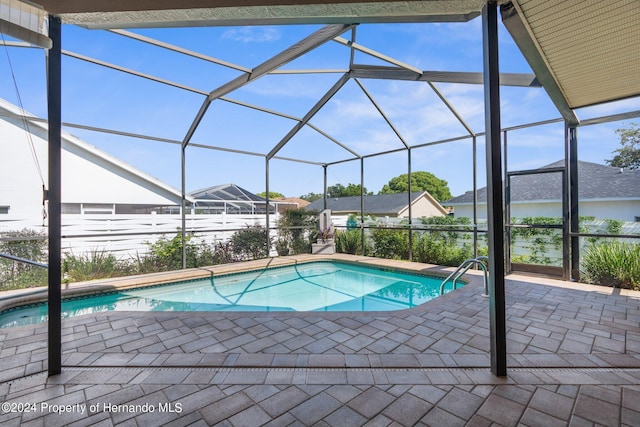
<point x="313" y="286"/>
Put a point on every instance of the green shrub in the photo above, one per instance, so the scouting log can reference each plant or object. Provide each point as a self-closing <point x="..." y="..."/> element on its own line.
<point x="250" y="243"/>
<point x="27" y="244"/>
<point x="349" y="241"/>
<point x="26" y="278"/>
<point x="297" y="228"/>
<point x="614" y="226"/>
<point x="439" y="252"/>
<point x="438" y="246"/>
<point x="537" y="242"/>
<point x="223" y="253"/>
<point x="91" y="266"/>
<point x="614" y="264"/>
<point x="300" y="246"/>
<point x="145" y="264"/>
<point x="390" y="243"/>
<point x="166" y="254"/>
<point x="445" y="227"/>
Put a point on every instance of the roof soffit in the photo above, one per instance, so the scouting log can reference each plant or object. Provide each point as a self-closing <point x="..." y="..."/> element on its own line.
<point x="590" y="49"/>
<point x="167" y="13"/>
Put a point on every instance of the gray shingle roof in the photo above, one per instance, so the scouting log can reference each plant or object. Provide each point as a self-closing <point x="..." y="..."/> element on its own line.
<point x="594" y="182"/>
<point x="381" y="204"/>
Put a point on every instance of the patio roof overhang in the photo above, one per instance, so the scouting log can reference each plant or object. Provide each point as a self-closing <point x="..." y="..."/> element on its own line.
<point x="171" y="13"/>
<point x="583" y="53"/>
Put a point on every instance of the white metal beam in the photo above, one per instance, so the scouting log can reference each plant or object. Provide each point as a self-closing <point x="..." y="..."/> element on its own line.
<point x="382" y="113"/>
<point x="464" y="77"/>
<point x="312" y="112"/>
<point x="181" y="50"/>
<point x="307" y="44"/>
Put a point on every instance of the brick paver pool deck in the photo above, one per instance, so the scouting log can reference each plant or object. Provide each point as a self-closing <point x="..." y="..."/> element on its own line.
<point x="573" y="360"/>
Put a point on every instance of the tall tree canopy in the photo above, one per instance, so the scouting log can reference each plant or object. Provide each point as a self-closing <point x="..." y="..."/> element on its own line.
<point x="340" y="190"/>
<point x="311" y="197"/>
<point x="628" y="155"/>
<point x="420" y="181"/>
<point x="272" y="194"/>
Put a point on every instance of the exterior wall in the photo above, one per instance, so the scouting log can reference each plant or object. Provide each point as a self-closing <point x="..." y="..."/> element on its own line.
<point x="625" y="210"/>
<point x="422" y="207"/>
<point x="86" y="177"/>
<point x="618" y="209"/>
<point x="519" y="210"/>
<point x="467" y="211"/>
<point x="20" y="184"/>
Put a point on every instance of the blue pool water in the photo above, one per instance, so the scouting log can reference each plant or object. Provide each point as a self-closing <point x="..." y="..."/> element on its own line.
<point x="315" y="286"/>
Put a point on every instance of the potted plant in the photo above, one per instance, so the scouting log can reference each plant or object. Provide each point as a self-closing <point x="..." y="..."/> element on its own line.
<point x="282" y="246"/>
<point x="325" y="236"/>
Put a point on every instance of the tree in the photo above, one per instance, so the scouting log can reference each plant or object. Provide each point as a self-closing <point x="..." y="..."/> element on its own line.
<point x="311" y="197"/>
<point x="272" y="194"/>
<point x="628" y="155"/>
<point x="420" y="181"/>
<point x="340" y="190"/>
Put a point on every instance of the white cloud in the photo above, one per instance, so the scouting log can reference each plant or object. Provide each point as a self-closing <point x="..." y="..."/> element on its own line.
<point x="285" y="87"/>
<point x="444" y="33"/>
<point x="415" y="111"/>
<point x="252" y="34"/>
<point x="355" y="110"/>
<point x="610" y="108"/>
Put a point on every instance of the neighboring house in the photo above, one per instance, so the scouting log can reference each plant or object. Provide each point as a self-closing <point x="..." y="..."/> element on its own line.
<point x="287" y="203"/>
<point x="391" y="205"/>
<point x="605" y="192"/>
<point x="93" y="182"/>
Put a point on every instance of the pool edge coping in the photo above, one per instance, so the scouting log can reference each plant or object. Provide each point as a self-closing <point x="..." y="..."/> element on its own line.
<point x="79" y="289"/>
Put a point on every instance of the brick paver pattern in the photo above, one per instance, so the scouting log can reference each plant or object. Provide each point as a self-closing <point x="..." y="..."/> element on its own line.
<point x="573" y="358"/>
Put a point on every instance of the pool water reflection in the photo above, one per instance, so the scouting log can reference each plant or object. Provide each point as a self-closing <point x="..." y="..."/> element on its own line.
<point x="314" y="286"/>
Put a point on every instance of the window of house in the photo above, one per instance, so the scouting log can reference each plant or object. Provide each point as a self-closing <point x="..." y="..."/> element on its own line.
<point x="70" y="208"/>
<point x="4" y="209"/>
<point x="146" y="209"/>
<point x="98" y="209"/>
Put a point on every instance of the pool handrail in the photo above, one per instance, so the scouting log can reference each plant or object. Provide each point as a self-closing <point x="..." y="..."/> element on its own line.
<point x="463" y="268"/>
<point x="23" y="260"/>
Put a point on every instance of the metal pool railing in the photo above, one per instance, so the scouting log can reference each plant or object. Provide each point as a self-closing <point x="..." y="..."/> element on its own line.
<point x="23" y="260"/>
<point x="463" y="268"/>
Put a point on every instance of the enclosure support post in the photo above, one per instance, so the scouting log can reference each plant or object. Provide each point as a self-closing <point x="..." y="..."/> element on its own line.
<point x="410" y="209"/>
<point x="266" y="196"/>
<point x="54" y="101"/>
<point x="362" y="243"/>
<point x="475" y="196"/>
<point x="183" y="208"/>
<point x="324" y="167"/>
<point x="507" y="207"/>
<point x="497" y="318"/>
<point x="574" y="213"/>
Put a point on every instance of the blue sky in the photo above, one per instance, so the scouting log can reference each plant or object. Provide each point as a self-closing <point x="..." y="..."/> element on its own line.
<point x="101" y="97"/>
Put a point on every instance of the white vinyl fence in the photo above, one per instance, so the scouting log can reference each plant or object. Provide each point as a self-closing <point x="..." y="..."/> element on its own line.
<point x="538" y="248"/>
<point x="130" y="235"/>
